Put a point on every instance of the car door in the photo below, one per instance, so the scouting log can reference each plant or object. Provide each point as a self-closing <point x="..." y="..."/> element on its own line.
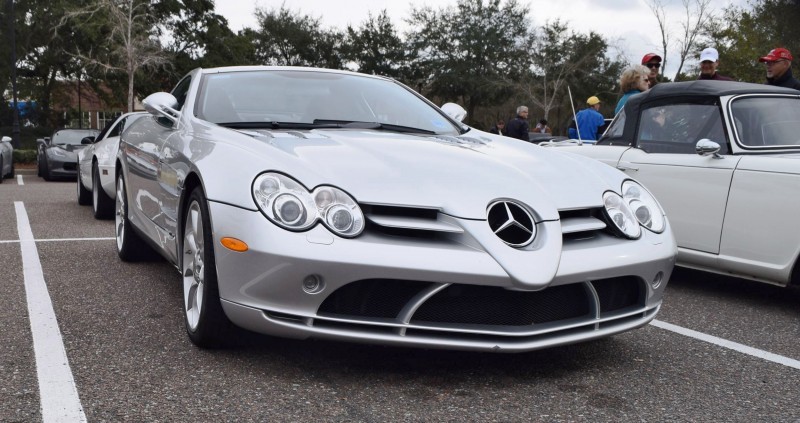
<point x="693" y="189"/>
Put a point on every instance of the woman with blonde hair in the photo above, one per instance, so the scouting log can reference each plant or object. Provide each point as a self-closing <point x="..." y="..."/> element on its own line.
<point x="632" y="81"/>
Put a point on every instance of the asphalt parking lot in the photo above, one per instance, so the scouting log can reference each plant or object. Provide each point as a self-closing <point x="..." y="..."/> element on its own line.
<point x="721" y="349"/>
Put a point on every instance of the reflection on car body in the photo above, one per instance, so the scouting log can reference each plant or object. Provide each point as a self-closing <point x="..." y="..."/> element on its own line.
<point x="304" y="202"/>
<point x="722" y="158"/>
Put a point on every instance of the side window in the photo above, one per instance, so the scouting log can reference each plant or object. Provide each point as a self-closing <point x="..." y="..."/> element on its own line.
<point x="117" y="129"/>
<point x="676" y="128"/>
<point x="181" y="91"/>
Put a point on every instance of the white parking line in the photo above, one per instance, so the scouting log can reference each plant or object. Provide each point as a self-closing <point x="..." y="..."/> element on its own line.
<point x="13" y="241"/>
<point x="19" y="180"/>
<point x="775" y="358"/>
<point x="57" y="391"/>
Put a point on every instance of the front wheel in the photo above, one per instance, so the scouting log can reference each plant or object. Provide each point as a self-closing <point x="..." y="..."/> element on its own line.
<point x="102" y="204"/>
<point x="206" y="323"/>
<point x="130" y="246"/>
<point x="2" y="175"/>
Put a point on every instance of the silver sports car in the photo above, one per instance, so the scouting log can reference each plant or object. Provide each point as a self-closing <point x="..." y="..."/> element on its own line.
<point x="96" y="166"/>
<point x="303" y="202"/>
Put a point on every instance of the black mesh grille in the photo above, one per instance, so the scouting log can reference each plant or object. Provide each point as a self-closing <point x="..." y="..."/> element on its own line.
<point x="469" y="304"/>
<point x="371" y="298"/>
<point x="619" y="293"/>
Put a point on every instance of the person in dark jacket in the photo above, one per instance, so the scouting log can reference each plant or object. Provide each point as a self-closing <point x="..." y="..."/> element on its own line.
<point x="499" y="128"/>
<point x="518" y="127"/>
<point x="709" y="62"/>
<point x="779" y="68"/>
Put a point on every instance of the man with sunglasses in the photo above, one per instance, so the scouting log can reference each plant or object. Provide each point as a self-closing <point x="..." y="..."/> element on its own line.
<point x="653" y="62"/>
<point x="779" y="68"/>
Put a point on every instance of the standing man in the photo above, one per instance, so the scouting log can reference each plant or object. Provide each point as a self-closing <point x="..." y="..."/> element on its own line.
<point x="709" y="62"/>
<point x="518" y="127"/>
<point x="779" y="68"/>
<point x="653" y="62"/>
<point x="589" y="120"/>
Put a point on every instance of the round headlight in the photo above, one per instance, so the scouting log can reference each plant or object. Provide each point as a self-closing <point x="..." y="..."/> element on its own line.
<point x="645" y="207"/>
<point x="289" y="209"/>
<point x="290" y="205"/>
<point x="339" y="211"/>
<point x="621" y="215"/>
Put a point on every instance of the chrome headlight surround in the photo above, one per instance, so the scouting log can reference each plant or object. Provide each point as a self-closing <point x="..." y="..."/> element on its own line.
<point x="620" y="215"/>
<point x="644" y="206"/>
<point x="288" y="204"/>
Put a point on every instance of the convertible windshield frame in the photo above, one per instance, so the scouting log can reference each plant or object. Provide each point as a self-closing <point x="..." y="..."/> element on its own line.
<point x="316" y="99"/>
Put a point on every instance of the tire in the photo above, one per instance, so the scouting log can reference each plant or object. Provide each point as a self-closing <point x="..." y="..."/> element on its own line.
<point x="130" y="246"/>
<point x="2" y="176"/>
<point x="39" y="172"/>
<point x="206" y="322"/>
<point x="102" y="204"/>
<point x="13" y="171"/>
<point x="45" y="171"/>
<point x="84" y="195"/>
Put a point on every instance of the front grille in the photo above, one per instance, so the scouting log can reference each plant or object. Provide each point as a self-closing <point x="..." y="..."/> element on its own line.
<point x="482" y="305"/>
<point x="70" y="166"/>
<point x="439" y="309"/>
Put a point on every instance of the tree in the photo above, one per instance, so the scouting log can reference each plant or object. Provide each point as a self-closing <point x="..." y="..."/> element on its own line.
<point x="745" y="34"/>
<point x="470" y="52"/>
<point x="131" y="44"/>
<point x="375" y="47"/>
<point x="289" y="38"/>
<point x="698" y="16"/>
<point x="561" y="57"/>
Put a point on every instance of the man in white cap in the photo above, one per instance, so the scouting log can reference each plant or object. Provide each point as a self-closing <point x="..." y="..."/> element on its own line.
<point x="709" y="62"/>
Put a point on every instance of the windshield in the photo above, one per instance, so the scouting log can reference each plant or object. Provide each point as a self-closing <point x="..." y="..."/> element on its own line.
<point x="72" y="136"/>
<point x="307" y="97"/>
<point x="767" y="122"/>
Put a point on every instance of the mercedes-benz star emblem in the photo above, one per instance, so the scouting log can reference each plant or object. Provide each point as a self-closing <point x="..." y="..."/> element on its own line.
<point x="512" y="223"/>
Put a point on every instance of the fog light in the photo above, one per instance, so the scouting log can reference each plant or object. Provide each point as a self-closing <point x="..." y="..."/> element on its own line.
<point x="313" y="284"/>
<point x="657" y="280"/>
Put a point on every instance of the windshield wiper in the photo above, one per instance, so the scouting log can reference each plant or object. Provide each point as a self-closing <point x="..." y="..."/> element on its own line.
<point x="374" y="125"/>
<point x="278" y="125"/>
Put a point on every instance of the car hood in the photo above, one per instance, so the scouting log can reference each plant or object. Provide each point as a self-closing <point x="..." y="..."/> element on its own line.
<point x="460" y="175"/>
<point x="71" y="149"/>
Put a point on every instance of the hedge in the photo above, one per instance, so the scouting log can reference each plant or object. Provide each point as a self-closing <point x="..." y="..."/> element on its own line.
<point x="24" y="156"/>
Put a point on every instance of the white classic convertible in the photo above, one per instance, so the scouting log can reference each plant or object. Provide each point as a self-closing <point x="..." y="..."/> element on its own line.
<point x="723" y="159"/>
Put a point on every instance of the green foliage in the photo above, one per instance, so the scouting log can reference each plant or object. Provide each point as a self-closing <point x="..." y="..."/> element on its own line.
<point x="469" y="53"/>
<point x="24" y="156"/>
<point x="376" y="48"/>
<point x="743" y="35"/>
<point x="289" y="38"/>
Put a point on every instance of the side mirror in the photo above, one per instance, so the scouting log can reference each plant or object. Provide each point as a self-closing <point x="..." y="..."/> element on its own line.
<point x="87" y="140"/>
<point x="454" y="111"/>
<point x="5" y="139"/>
<point x="162" y="105"/>
<point x="706" y="147"/>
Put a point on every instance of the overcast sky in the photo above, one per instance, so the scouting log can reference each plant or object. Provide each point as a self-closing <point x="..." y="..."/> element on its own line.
<point x="628" y="25"/>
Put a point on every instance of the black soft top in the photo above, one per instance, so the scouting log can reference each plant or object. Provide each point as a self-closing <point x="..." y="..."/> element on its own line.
<point x="700" y="90"/>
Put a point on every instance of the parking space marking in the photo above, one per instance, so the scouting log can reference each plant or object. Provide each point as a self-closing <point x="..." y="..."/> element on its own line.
<point x="12" y="241"/>
<point x="57" y="391"/>
<point x="755" y="352"/>
<point x="19" y="180"/>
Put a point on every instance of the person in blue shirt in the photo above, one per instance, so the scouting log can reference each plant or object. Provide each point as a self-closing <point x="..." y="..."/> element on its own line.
<point x="589" y="120"/>
<point x="632" y="81"/>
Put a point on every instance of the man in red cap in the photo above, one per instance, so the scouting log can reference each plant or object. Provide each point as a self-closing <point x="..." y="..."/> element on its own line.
<point x="779" y="68"/>
<point x="653" y="62"/>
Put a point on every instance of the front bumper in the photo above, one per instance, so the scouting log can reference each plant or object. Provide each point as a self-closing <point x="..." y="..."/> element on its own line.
<point x="431" y="292"/>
